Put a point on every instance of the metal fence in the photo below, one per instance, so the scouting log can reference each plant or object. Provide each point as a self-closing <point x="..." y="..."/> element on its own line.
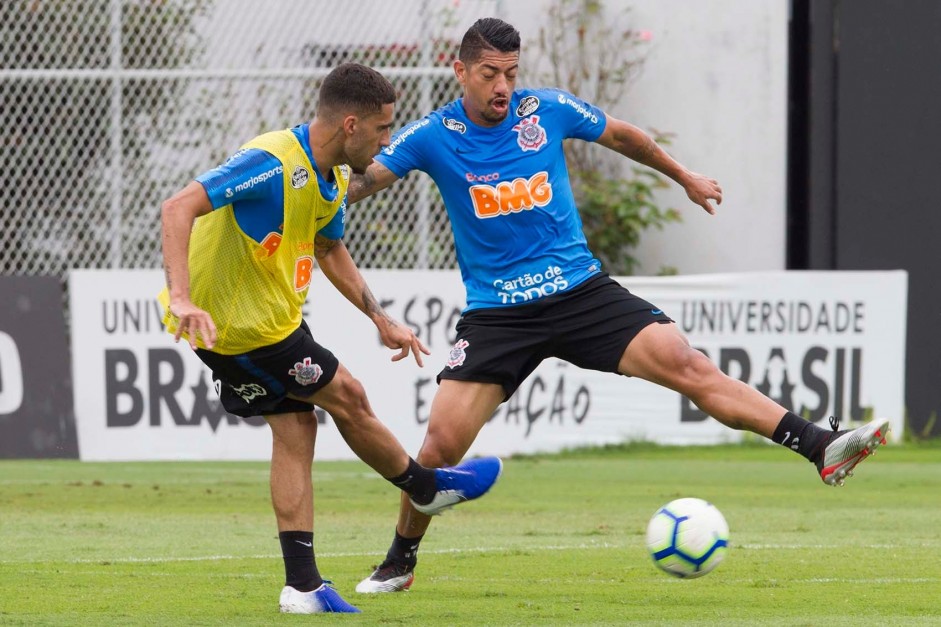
<point x="109" y="107"/>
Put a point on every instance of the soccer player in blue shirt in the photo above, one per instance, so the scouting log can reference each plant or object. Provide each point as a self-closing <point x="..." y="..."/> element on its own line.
<point x="534" y="289"/>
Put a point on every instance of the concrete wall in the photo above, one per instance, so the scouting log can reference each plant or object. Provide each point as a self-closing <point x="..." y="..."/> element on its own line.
<point x="716" y="76"/>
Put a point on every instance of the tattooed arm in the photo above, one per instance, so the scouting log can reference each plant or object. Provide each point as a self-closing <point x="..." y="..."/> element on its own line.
<point x="339" y="267"/>
<point x="377" y="177"/>
<point x="635" y="144"/>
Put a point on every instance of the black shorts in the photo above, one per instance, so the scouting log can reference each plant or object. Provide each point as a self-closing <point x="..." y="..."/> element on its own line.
<point x="589" y="326"/>
<point x="257" y="383"/>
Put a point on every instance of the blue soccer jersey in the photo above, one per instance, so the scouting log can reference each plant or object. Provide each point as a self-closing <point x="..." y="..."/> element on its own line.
<point x="251" y="182"/>
<point x="506" y="188"/>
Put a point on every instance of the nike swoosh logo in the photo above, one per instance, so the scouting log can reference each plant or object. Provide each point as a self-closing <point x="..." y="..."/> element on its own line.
<point x="305" y="543"/>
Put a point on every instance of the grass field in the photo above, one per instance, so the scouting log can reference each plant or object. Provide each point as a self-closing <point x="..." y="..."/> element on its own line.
<point x="559" y="541"/>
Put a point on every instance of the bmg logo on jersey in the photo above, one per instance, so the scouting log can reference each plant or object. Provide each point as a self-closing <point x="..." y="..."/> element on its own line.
<point x="511" y="196"/>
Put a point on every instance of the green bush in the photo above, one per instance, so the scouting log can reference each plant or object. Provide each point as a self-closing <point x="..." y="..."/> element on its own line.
<point x="591" y="57"/>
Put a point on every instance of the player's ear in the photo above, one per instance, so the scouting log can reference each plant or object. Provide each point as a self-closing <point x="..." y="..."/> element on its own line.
<point x="460" y="71"/>
<point x="349" y="124"/>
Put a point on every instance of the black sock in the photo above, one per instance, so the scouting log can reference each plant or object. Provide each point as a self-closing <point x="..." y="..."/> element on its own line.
<point x="801" y="436"/>
<point x="300" y="569"/>
<point x="417" y="481"/>
<point x="404" y="550"/>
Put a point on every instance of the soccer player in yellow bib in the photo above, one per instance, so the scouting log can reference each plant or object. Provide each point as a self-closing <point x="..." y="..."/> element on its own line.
<point x="236" y="282"/>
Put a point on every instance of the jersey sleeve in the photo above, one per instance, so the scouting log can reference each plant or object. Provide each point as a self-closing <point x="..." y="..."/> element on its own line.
<point x="408" y="148"/>
<point x="580" y="119"/>
<point x="249" y="174"/>
<point x="335" y="228"/>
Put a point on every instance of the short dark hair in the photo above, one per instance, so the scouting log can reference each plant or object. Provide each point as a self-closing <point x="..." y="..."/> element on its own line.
<point x="488" y="33"/>
<point x="352" y="86"/>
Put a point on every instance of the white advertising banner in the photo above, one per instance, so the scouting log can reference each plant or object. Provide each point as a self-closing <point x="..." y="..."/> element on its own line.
<point x="820" y="343"/>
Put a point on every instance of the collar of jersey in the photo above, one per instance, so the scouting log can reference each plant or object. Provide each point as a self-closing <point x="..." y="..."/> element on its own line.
<point x="328" y="189"/>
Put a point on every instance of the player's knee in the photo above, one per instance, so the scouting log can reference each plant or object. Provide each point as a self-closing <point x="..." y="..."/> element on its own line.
<point x="350" y="396"/>
<point x="439" y="450"/>
<point x="294" y="434"/>
<point x="691" y="371"/>
<point x="289" y="504"/>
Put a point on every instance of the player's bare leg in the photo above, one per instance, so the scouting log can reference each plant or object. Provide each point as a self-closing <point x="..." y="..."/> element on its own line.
<point x="346" y="402"/>
<point x="661" y="354"/>
<point x="431" y="489"/>
<point x="458" y="412"/>
<point x="292" y="454"/>
<point x="292" y="495"/>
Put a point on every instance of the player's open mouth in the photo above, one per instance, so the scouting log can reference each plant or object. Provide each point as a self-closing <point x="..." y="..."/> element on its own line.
<point x="499" y="105"/>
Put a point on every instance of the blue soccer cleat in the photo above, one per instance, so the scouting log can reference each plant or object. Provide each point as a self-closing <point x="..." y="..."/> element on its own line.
<point x="323" y="599"/>
<point x="465" y="482"/>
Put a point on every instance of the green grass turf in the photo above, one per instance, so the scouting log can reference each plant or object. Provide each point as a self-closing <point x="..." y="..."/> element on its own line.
<point x="559" y="541"/>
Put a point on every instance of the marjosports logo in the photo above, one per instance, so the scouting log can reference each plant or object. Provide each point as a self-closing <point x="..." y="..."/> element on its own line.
<point x="405" y="135"/>
<point x="511" y="196"/>
<point x="261" y="178"/>
<point x="585" y="112"/>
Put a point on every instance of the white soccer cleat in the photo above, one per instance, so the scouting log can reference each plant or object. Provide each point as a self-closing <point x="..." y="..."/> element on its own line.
<point x="388" y="577"/>
<point x="323" y="599"/>
<point x="848" y="448"/>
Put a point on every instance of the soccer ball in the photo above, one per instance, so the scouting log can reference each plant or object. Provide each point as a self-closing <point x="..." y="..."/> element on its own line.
<point x="687" y="537"/>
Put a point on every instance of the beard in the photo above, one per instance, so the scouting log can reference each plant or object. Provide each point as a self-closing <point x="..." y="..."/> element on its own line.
<point x="357" y="163"/>
<point x="494" y="117"/>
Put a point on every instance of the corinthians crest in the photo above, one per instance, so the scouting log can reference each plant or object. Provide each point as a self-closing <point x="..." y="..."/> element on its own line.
<point x="305" y="372"/>
<point x="531" y="135"/>
<point x="457" y="354"/>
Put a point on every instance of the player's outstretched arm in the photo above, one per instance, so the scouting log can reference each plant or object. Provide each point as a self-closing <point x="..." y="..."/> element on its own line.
<point x="339" y="267"/>
<point x="177" y="215"/>
<point x="377" y="177"/>
<point x="635" y="144"/>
